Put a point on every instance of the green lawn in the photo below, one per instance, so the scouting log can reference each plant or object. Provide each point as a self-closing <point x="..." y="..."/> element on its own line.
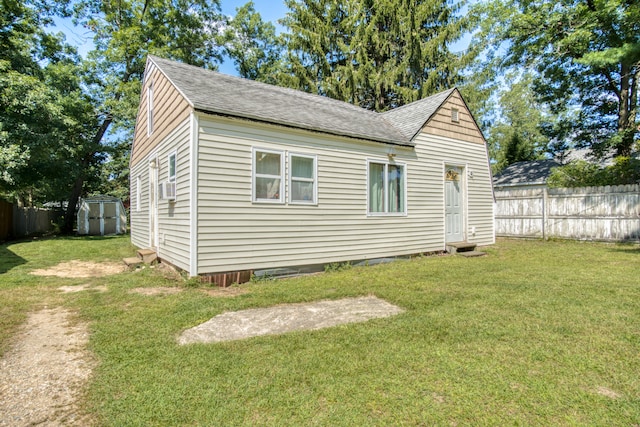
<point x="535" y="333"/>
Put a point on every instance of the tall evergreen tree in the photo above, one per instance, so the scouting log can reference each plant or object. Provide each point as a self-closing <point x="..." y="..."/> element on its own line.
<point x="378" y="54"/>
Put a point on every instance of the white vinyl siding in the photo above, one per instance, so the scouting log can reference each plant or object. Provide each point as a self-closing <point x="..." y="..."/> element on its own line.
<point x="173" y="217"/>
<point x="235" y="233"/>
<point x="139" y="217"/>
<point x="138" y="192"/>
<point x="477" y="191"/>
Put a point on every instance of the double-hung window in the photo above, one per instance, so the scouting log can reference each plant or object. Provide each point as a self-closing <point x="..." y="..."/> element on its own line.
<point x="172" y="167"/>
<point x="386" y="188"/>
<point x="302" y="179"/>
<point x="268" y="176"/>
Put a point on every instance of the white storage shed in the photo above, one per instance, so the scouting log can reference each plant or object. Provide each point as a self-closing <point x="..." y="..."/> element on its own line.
<point x="101" y="215"/>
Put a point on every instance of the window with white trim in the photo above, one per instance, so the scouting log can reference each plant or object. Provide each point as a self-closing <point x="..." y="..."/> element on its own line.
<point x="386" y="188"/>
<point x="268" y="176"/>
<point x="302" y="179"/>
<point x="150" y="109"/>
<point x="172" y="166"/>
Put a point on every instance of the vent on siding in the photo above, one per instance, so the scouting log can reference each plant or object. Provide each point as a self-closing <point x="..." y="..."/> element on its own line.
<point x="455" y="115"/>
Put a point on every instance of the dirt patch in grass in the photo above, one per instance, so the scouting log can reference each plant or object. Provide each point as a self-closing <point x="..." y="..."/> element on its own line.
<point x="225" y="292"/>
<point x="42" y="375"/>
<point x="604" y="391"/>
<point x="80" y="288"/>
<point x="287" y="318"/>
<point x="156" y="291"/>
<point x="81" y="269"/>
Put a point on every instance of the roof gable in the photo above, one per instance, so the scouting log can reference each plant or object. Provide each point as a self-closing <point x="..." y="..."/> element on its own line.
<point x="212" y="92"/>
<point x="410" y="118"/>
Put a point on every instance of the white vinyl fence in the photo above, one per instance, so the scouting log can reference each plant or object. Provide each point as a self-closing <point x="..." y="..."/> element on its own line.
<point x="610" y="213"/>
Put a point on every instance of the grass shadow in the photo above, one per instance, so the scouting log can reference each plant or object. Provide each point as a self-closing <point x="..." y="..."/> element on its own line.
<point x="9" y="260"/>
<point x="626" y="248"/>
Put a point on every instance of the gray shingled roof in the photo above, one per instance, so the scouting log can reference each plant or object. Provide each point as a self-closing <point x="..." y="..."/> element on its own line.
<point x="529" y="172"/>
<point x="217" y="93"/>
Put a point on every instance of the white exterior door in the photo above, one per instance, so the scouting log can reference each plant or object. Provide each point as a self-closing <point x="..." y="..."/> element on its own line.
<point x="453" y="205"/>
<point x="153" y="204"/>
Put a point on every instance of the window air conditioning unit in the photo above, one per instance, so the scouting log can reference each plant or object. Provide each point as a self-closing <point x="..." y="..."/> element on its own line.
<point x="168" y="191"/>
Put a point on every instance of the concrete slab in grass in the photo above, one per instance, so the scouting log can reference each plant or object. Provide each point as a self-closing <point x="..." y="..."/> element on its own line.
<point x="287" y="318"/>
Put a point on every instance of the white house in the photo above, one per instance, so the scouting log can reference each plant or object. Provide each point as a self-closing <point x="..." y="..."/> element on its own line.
<point x="230" y="175"/>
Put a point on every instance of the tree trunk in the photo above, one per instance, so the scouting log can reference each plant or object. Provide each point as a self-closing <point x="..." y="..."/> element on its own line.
<point x="625" y="128"/>
<point x="70" y="213"/>
<point x="76" y="191"/>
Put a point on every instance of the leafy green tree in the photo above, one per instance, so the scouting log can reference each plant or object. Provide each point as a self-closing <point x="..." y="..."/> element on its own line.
<point x="378" y="54"/>
<point x="253" y="45"/>
<point x="516" y="135"/>
<point x="580" y="173"/>
<point x="124" y="32"/>
<point x="587" y="58"/>
<point x="44" y="114"/>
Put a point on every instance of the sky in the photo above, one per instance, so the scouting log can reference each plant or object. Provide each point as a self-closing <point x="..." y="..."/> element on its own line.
<point x="270" y="10"/>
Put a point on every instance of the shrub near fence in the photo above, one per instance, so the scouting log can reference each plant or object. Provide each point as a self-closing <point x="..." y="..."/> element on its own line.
<point x="610" y="213"/>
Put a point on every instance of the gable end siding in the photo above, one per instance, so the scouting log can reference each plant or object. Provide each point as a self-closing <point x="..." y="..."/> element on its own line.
<point x="478" y="191"/>
<point x="442" y="125"/>
<point x="169" y="109"/>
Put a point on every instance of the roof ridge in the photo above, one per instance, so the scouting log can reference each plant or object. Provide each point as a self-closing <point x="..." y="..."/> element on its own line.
<point x="213" y="92"/>
<point x="268" y="86"/>
<point x="421" y="100"/>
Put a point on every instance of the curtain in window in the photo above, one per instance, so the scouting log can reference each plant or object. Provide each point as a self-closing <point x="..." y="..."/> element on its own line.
<point x="396" y="188"/>
<point x="302" y="167"/>
<point x="267" y="163"/>
<point x="301" y="191"/>
<point x="302" y="178"/>
<point x="268" y="187"/>
<point x="376" y="187"/>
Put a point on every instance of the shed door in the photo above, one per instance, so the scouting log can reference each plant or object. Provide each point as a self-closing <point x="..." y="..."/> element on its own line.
<point x="95" y="219"/>
<point x="453" y="202"/>
<point x="110" y="218"/>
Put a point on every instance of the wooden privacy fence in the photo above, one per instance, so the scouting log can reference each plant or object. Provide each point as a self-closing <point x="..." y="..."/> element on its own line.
<point x="610" y="213"/>
<point x="28" y="221"/>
